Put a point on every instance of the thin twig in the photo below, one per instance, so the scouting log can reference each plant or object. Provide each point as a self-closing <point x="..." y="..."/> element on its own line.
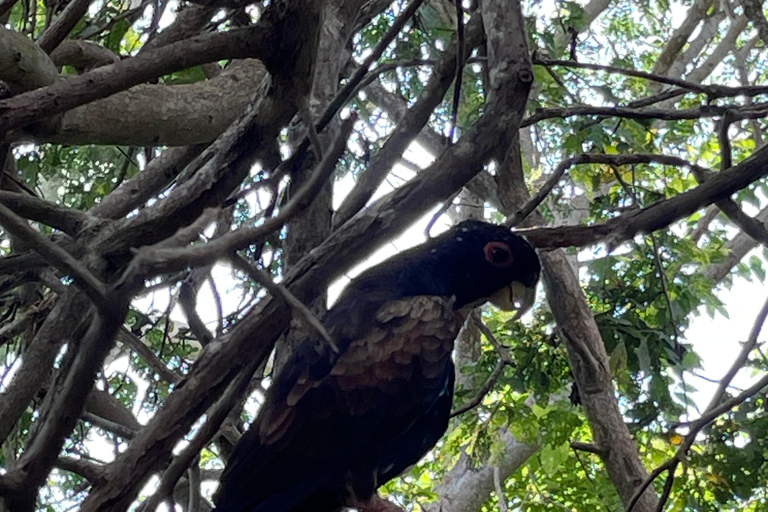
<point x="484" y="390"/>
<point x="669" y="465"/>
<point x="712" y="91"/>
<point x="504" y="359"/>
<point x="282" y="292"/>
<point x="459" y="69"/>
<point x="742" y="358"/>
<point x="501" y="349"/>
<point x="667" y="490"/>
<point x="443" y="208"/>
<point x="135" y="344"/>
<point x="597" y="158"/>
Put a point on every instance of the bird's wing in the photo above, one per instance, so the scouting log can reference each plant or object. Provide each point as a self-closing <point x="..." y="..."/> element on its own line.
<point x="324" y="418"/>
<point x="401" y="453"/>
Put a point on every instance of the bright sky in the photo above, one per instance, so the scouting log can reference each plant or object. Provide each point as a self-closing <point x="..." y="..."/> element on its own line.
<point x="718" y="340"/>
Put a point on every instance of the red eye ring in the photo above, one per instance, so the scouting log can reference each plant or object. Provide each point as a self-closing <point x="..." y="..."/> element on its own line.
<point x="498" y="254"/>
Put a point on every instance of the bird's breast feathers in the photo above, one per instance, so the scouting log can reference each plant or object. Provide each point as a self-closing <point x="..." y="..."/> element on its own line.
<point x="405" y="351"/>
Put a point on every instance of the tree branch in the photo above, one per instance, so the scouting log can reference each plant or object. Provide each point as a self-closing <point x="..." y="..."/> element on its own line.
<point x="37" y="363"/>
<point x="152" y="260"/>
<point x="257" y="41"/>
<point x="68" y="220"/>
<point x="138" y="190"/>
<point x="65" y="410"/>
<point x="658" y="215"/>
<point x="281" y="292"/>
<point x="133" y="342"/>
<point x="60" y="29"/>
<point x="409" y="126"/>
<point x="55" y="255"/>
<point x="707" y="111"/>
<point x="203" y="436"/>
<point x="712" y="91"/>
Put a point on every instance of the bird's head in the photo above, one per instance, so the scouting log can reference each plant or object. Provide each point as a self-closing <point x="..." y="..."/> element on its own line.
<point x="488" y="262"/>
<point x="474" y="262"/>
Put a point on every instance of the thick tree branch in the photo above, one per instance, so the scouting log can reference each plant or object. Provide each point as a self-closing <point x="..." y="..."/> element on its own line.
<point x="23" y="65"/>
<point x="208" y="181"/>
<point x="658" y="215"/>
<point x="154" y="178"/>
<point x="467" y="487"/>
<point x="56" y="423"/>
<point x="258" y="41"/>
<point x="60" y="29"/>
<point x="82" y="55"/>
<point x="161" y="114"/>
<point x="88" y="470"/>
<point x="37" y="363"/>
<point x="751" y="226"/>
<point x="68" y="220"/>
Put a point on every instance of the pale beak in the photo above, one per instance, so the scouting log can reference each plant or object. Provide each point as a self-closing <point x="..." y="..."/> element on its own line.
<point x="515" y="297"/>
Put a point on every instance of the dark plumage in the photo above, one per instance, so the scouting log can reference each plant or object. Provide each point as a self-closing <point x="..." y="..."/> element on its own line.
<point x="335" y="427"/>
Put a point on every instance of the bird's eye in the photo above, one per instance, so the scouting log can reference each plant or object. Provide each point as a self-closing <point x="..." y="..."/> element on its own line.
<point x="498" y="253"/>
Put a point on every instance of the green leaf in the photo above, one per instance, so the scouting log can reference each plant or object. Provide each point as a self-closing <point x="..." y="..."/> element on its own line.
<point x="553" y="457"/>
<point x="618" y="360"/>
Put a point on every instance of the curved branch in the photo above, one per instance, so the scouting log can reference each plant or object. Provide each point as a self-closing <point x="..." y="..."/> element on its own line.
<point x="23" y="65"/>
<point x="82" y="55"/>
<point x="257" y="41"/>
<point x="161" y="114"/>
<point x="68" y="220"/>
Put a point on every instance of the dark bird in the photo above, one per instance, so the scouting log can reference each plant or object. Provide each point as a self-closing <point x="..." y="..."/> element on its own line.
<point x="336" y="426"/>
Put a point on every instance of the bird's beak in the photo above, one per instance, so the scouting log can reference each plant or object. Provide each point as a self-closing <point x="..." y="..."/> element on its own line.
<point x="515" y="297"/>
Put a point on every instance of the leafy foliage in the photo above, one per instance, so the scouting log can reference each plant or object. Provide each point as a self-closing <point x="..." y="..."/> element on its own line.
<point x="644" y="294"/>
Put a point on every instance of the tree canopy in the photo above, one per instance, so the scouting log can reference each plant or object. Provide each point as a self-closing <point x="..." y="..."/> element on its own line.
<point x="183" y="180"/>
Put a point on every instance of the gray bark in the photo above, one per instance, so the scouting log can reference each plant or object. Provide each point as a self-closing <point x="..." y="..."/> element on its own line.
<point x="466" y="487"/>
<point x="23" y="65"/>
<point x="162" y="115"/>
